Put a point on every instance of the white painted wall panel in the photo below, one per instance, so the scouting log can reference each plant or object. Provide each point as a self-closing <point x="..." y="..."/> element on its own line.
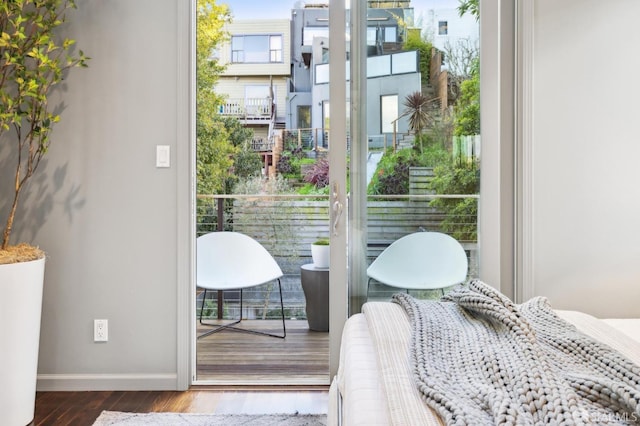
<point x="105" y="215"/>
<point x="586" y="146"/>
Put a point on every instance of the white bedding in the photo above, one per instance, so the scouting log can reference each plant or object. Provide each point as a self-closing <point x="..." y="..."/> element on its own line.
<point x="374" y="385"/>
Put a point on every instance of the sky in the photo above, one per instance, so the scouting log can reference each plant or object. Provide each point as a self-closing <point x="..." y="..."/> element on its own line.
<point x="281" y="9"/>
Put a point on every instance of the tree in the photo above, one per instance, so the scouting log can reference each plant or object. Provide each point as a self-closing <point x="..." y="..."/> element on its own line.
<point x="238" y="134"/>
<point x="214" y="149"/>
<point x="458" y="177"/>
<point x="467" y="110"/>
<point x="470" y="6"/>
<point x="248" y="163"/>
<point x="214" y="158"/>
<point x="210" y="34"/>
<point x="33" y="61"/>
<point x="461" y="176"/>
<point x="423" y="47"/>
<point x="461" y="58"/>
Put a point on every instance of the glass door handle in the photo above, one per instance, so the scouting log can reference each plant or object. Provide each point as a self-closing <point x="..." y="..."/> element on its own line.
<point x="337" y="208"/>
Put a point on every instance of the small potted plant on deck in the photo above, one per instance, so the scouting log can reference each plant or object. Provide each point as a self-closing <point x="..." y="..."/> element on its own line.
<point x="320" y="253"/>
<point x="33" y="60"/>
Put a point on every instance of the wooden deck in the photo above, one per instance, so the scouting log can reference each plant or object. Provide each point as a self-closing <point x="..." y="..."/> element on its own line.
<point x="236" y="358"/>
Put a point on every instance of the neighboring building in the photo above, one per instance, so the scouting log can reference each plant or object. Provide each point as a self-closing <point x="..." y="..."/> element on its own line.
<point x="392" y="74"/>
<point x="258" y="61"/>
<point x="277" y="73"/>
<point x="444" y="26"/>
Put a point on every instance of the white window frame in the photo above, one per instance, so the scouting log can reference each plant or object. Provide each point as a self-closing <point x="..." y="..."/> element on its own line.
<point x="274" y="52"/>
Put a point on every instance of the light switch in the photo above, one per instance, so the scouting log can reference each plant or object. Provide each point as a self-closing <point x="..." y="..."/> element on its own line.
<point x="163" y="156"/>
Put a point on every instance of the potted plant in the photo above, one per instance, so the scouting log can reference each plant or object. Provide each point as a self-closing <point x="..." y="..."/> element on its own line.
<point x="320" y="253"/>
<point x="33" y="60"/>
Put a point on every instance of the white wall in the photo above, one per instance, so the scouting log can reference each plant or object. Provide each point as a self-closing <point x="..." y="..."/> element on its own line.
<point x="580" y="159"/>
<point x="105" y="215"/>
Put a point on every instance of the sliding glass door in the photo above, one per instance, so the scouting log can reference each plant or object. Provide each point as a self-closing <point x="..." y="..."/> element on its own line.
<point x="408" y="157"/>
<point x="353" y="92"/>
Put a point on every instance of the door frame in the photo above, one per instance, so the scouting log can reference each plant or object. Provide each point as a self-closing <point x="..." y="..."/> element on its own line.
<point x="338" y="278"/>
<point x="497" y="236"/>
<point x="186" y="193"/>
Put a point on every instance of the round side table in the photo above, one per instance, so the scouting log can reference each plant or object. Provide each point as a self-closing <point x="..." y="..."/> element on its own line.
<point x="315" y="284"/>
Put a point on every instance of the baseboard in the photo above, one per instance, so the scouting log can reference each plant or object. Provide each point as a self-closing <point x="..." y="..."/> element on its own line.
<point x="106" y="382"/>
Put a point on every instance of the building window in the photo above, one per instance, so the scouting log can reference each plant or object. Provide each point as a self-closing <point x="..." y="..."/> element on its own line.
<point x="376" y="35"/>
<point x="390" y="34"/>
<point x="372" y="35"/>
<point x="325" y="55"/>
<point x="275" y="48"/>
<point x="309" y="33"/>
<point x="443" y="28"/>
<point x="260" y="49"/>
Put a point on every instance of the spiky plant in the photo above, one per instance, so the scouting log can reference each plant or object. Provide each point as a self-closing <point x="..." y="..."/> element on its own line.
<point x="417" y="110"/>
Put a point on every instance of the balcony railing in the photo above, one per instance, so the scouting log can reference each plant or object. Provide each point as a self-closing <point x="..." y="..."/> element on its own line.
<point x="262" y="145"/>
<point x="248" y="109"/>
<point x="314" y="139"/>
<point x="287" y="225"/>
<point x="308" y="139"/>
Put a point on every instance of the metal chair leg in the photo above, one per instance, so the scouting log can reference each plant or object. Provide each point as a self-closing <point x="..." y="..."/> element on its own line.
<point x="204" y="296"/>
<point x="231" y="327"/>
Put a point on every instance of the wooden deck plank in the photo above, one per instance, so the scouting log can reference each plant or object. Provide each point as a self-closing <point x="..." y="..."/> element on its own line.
<point x="236" y="358"/>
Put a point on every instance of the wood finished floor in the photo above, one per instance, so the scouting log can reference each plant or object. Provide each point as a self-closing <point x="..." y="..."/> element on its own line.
<point x="234" y="358"/>
<point x="260" y="375"/>
<point x="82" y="408"/>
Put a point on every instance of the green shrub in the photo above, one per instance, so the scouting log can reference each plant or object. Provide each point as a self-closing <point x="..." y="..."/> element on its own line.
<point x="286" y="167"/>
<point x="247" y="163"/>
<point x="458" y="177"/>
<point x="392" y="173"/>
<point x="318" y="174"/>
<point x="310" y="189"/>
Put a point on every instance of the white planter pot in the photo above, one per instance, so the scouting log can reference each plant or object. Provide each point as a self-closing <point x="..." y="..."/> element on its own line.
<point x="20" y="310"/>
<point x="320" y="256"/>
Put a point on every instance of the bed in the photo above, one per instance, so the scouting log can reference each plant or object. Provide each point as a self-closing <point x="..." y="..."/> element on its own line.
<point x="375" y="383"/>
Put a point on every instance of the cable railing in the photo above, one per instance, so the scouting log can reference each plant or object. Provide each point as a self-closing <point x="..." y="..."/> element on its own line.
<point x="310" y="139"/>
<point x="287" y="224"/>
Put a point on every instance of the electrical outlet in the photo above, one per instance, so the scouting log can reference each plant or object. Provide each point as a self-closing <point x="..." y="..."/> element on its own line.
<point x="100" y="330"/>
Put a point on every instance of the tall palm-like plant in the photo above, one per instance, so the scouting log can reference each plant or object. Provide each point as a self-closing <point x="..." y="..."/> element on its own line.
<point x="32" y="62"/>
<point x="417" y="109"/>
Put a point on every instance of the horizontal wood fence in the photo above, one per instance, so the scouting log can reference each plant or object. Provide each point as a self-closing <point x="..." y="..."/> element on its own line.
<point x="287" y="227"/>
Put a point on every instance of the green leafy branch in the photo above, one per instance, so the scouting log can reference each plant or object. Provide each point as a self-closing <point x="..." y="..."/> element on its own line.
<point x="32" y="62"/>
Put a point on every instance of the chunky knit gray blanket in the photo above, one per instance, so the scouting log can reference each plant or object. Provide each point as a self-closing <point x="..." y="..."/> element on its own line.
<point x="480" y="359"/>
